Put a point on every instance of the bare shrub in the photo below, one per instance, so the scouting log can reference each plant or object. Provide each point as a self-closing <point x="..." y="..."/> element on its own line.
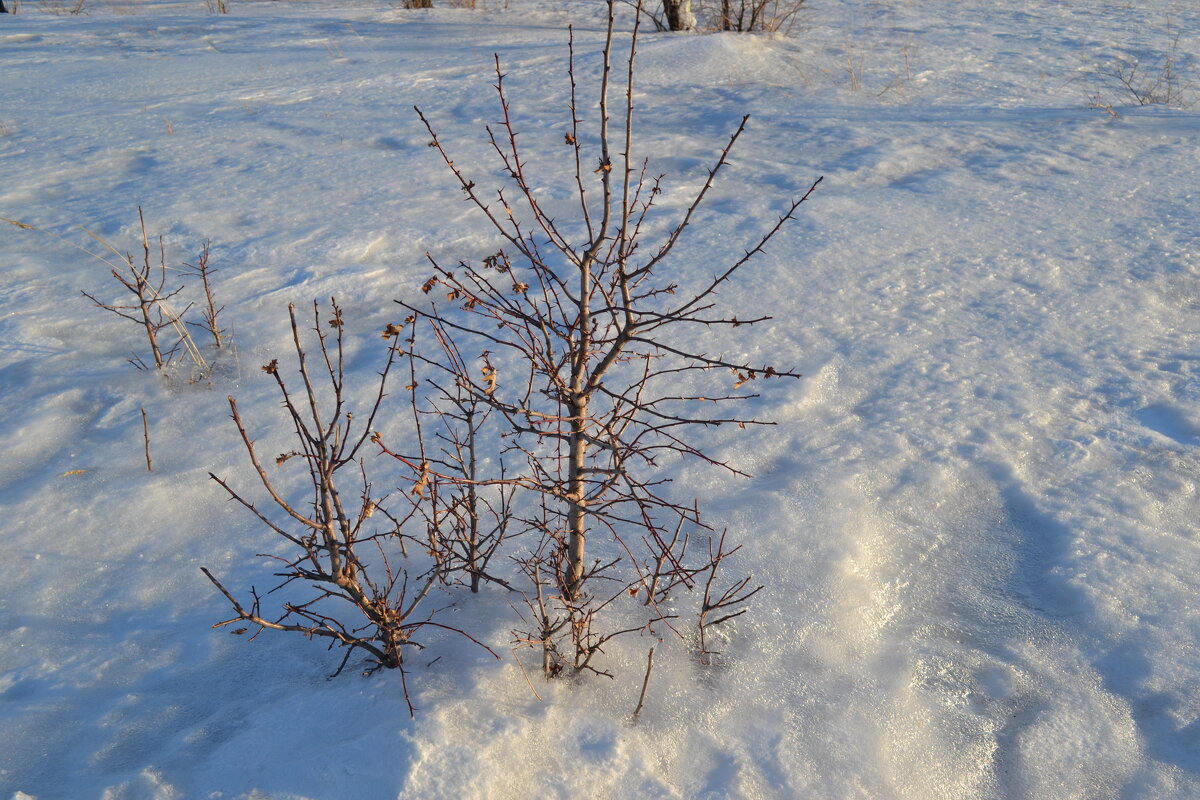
<point x="544" y="394"/>
<point x="583" y="355"/>
<point x="151" y="305"/>
<point x="1148" y="79"/>
<point x="349" y="574"/>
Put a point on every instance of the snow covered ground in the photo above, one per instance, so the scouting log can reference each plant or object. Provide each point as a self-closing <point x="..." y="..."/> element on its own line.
<point x="977" y="517"/>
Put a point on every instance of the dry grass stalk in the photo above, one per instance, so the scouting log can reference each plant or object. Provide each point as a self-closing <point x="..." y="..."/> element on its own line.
<point x="645" y="684"/>
<point x="146" y="437"/>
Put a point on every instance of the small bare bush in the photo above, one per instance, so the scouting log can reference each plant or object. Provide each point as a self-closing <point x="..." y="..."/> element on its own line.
<point x="151" y="304"/>
<point x="346" y="564"/>
<point x="147" y="285"/>
<point x="1148" y="79"/>
<point x="148" y="301"/>
<point x="544" y="394"/>
<point x="581" y="353"/>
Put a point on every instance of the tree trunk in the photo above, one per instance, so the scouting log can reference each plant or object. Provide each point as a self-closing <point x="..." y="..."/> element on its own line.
<point x="577" y="404"/>
<point x="577" y="501"/>
<point x="679" y="15"/>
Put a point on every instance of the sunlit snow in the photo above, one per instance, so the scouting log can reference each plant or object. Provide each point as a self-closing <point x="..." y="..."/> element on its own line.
<point x="976" y="519"/>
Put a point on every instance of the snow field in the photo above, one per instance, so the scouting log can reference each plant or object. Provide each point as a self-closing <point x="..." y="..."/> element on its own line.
<point x="976" y="517"/>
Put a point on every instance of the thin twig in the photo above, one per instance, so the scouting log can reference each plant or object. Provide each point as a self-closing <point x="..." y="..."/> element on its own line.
<point x="146" y="435"/>
<point x="645" y="683"/>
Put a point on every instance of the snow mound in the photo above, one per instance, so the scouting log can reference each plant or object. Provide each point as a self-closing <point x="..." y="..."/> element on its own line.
<point x="716" y="60"/>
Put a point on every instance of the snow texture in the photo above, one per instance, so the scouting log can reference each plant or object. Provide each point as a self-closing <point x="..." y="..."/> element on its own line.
<point x="976" y="519"/>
